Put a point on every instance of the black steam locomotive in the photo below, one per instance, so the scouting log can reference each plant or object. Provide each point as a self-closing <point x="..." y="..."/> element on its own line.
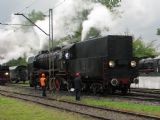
<point x="149" y="66"/>
<point x="4" y="74"/>
<point x="18" y="73"/>
<point x="106" y="64"/>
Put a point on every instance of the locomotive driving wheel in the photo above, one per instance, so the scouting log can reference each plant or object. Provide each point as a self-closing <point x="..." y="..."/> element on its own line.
<point x="111" y="89"/>
<point x="51" y="84"/>
<point x="96" y="87"/>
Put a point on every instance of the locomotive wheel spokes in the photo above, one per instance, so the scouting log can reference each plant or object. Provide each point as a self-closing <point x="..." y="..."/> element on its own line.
<point x="96" y="88"/>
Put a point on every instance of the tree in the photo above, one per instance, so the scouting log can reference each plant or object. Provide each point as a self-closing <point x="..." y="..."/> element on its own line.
<point x="158" y="31"/>
<point x="93" y="33"/>
<point x="36" y="15"/>
<point x="16" y="62"/>
<point x="141" y="49"/>
<point x="111" y="4"/>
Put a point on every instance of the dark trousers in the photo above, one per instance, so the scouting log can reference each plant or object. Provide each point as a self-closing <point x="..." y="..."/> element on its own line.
<point x="43" y="91"/>
<point x="78" y="94"/>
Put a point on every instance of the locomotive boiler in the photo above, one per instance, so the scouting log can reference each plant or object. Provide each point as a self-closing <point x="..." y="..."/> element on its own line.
<point x="106" y="64"/>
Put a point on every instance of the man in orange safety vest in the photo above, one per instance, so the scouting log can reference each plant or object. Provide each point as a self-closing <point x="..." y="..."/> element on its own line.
<point x="43" y="84"/>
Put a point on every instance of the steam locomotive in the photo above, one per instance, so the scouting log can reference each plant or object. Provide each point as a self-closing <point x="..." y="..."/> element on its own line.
<point x="106" y="64"/>
<point x="18" y="73"/>
<point x="4" y="74"/>
<point x="149" y="66"/>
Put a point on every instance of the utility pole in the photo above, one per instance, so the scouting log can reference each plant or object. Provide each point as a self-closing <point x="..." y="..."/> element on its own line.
<point x="51" y="60"/>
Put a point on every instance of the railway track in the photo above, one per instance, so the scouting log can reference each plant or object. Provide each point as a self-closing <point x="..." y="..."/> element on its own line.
<point x="134" y="95"/>
<point x="149" y="91"/>
<point x="139" y="97"/>
<point x="147" y="95"/>
<point x="91" y="111"/>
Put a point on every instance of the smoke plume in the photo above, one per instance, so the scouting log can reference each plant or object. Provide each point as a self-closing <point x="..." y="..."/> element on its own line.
<point x="16" y="43"/>
<point x="67" y="19"/>
<point x="99" y="18"/>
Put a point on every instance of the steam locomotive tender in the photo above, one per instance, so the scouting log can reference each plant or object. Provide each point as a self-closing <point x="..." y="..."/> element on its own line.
<point x="106" y="64"/>
<point x="4" y="74"/>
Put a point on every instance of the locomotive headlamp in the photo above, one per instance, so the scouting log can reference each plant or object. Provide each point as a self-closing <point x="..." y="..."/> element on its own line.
<point x="133" y="63"/>
<point x="111" y="63"/>
<point x="6" y="73"/>
<point x="67" y="55"/>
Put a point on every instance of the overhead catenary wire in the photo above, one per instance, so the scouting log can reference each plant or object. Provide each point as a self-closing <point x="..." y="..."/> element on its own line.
<point x="27" y="7"/>
<point x="14" y="24"/>
<point x="58" y="4"/>
<point x="34" y="2"/>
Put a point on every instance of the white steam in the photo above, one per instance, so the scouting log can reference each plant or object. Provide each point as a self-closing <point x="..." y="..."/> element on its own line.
<point x="99" y="18"/>
<point x="16" y="43"/>
<point x="67" y="19"/>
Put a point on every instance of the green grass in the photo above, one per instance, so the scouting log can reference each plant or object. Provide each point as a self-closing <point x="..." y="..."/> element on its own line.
<point x="122" y="105"/>
<point x="13" y="109"/>
<point x="20" y="83"/>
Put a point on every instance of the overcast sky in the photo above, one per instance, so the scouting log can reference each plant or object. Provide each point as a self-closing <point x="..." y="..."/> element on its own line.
<point x="140" y="17"/>
<point x="8" y="7"/>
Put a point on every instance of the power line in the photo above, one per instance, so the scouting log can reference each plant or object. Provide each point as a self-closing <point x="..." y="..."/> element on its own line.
<point x="14" y="24"/>
<point x="27" y="7"/>
<point x="58" y="4"/>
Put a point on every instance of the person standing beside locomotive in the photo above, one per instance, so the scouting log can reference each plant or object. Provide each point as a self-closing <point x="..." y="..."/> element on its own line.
<point x="43" y="84"/>
<point x="78" y="85"/>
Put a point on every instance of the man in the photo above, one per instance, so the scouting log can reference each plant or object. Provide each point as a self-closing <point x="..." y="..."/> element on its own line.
<point x="77" y="85"/>
<point x="43" y="84"/>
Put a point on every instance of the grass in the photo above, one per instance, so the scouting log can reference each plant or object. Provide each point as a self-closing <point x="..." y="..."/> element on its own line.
<point x="122" y="105"/>
<point x="20" y="83"/>
<point x="13" y="109"/>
